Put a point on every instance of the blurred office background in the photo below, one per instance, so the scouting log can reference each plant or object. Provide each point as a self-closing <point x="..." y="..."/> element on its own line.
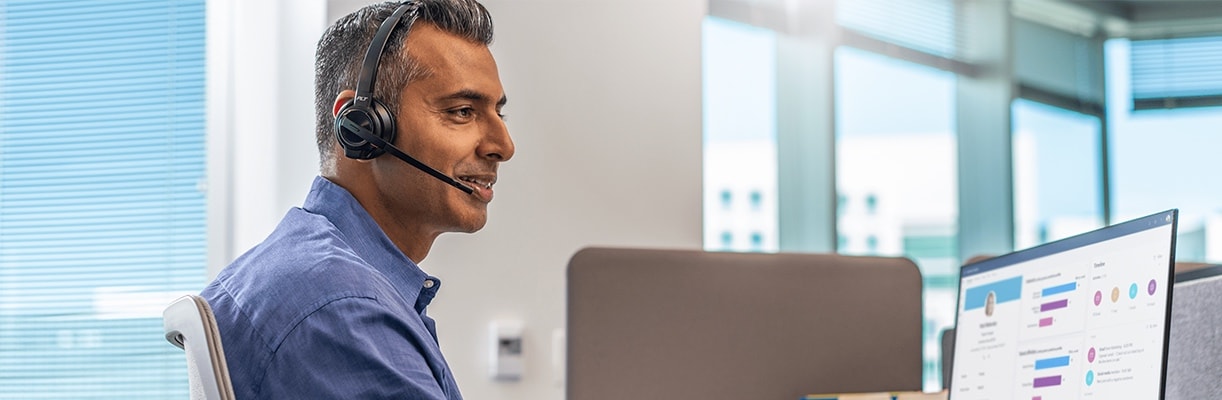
<point x="146" y="143"/>
<point x="939" y="130"/>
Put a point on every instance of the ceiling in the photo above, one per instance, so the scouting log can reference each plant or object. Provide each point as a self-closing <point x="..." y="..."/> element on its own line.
<point x="1136" y="19"/>
<point x="1146" y="11"/>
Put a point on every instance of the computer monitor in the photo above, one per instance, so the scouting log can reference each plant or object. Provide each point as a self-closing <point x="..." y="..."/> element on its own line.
<point x="1081" y="318"/>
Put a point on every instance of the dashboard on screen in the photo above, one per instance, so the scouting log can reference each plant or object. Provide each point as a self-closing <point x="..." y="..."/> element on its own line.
<point x="1081" y="318"/>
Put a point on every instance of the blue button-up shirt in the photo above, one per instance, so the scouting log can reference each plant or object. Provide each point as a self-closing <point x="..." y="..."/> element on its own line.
<point x="328" y="308"/>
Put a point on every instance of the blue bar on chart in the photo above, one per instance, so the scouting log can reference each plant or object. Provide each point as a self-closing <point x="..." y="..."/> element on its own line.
<point x="1062" y="361"/>
<point x="1068" y="287"/>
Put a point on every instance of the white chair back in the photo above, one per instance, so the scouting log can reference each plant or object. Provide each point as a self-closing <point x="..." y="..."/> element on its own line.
<point x="189" y="324"/>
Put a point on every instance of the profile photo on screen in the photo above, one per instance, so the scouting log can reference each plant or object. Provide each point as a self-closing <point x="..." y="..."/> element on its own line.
<point x="990" y="302"/>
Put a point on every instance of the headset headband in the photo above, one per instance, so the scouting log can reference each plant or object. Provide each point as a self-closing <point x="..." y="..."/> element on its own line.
<point x="369" y="71"/>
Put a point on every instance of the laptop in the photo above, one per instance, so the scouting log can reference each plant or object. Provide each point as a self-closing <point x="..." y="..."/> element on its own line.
<point x="1086" y="317"/>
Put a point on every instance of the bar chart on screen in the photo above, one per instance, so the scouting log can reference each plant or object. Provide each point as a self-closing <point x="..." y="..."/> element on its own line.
<point x="1049" y="368"/>
<point x="1056" y="302"/>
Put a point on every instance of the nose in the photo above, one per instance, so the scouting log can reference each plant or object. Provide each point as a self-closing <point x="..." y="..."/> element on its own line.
<point x="497" y="145"/>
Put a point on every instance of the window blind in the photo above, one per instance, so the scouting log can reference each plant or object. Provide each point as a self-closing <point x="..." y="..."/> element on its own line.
<point x="925" y="25"/>
<point x="1180" y="72"/>
<point x="101" y="221"/>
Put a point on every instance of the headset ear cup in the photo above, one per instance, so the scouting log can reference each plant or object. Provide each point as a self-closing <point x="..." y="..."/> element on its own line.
<point x="386" y="122"/>
<point x="377" y="119"/>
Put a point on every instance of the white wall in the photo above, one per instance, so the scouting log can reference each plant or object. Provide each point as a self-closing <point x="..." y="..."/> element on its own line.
<point x="605" y="109"/>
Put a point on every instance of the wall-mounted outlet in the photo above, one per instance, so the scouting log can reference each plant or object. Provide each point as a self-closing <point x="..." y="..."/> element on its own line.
<point x="507" y="354"/>
<point x="559" y="362"/>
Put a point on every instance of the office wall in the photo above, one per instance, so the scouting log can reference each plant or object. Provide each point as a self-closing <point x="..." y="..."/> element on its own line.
<point x="605" y="109"/>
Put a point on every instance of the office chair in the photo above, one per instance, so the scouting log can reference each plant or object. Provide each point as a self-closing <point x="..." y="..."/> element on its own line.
<point x="189" y="324"/>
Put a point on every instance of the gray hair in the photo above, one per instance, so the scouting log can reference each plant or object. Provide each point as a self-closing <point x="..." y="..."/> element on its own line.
<point x="342" y="48"/>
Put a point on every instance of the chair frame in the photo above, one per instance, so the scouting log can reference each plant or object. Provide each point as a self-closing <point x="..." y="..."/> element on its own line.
<point x="190" y="325"/>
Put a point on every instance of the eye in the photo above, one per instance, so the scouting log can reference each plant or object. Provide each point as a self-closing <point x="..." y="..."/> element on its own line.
<point x="463" y="113"/>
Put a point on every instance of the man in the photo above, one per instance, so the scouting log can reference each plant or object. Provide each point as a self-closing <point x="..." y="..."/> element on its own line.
<point x="332" y="304"/>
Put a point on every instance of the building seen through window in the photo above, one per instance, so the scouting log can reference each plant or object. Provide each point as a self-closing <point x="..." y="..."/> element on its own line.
<point x="739" y="137"/>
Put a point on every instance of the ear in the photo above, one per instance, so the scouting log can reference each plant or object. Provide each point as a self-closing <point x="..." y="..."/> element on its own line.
<point x="342" y="161"/>
<point x="340" y="100"/>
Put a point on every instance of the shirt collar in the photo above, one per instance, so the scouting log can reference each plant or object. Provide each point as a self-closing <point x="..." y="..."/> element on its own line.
<point x="369" y="241"/>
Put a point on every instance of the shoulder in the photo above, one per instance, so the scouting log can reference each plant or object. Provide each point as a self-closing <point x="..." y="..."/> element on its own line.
<point x="304" y="289"/>
<point x="302" y="266"/>
<point x="305" y="253"/>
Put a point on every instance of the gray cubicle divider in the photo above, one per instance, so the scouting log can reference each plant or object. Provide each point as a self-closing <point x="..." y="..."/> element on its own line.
<point x="948" y="355"/>
<point x="679" y="324"/>
<point x="1194" y="361"/>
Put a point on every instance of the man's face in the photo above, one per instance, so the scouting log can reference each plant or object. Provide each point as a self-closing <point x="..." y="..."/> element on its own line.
<point x="451" y="121"/>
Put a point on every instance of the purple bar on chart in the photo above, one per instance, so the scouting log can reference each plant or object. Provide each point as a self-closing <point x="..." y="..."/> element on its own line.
<point x="1037" y="398"/>
<point x="1045" y="322"/>
<point x="1048" y="381"/>
<point x="1054" y="305"/>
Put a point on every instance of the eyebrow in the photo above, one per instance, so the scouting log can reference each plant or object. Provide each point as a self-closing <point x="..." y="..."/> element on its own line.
<point x="472" y="95"/>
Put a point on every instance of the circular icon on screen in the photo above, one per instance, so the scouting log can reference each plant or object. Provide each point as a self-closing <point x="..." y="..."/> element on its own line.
<point x="1133" y="291"/>
<point x="1090" y="355"/>
<point x="1115" y="294"/>
<point x="1090" y="378"/>
<point x="1098" y="297"/>
<point x="1150" y="288"/>
<point x="990" y="302"/>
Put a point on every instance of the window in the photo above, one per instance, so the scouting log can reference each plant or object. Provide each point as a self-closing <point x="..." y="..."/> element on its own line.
<point x="896" y="163"/>
<point x="1057" y="173"/>
<point x="1176" y="72"/>
<point x="927" y="25"/>
<point x="896" y="146"/>
<point x="1163" y="159"/>
<point x="102" y="221"/>
<point x="739" y="136"/>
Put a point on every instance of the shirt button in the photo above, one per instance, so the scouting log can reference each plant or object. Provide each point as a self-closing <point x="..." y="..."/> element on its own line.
<point x="428" y="283"/>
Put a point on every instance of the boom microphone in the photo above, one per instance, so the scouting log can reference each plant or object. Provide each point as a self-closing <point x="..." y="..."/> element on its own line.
<point x="390" y="148"/>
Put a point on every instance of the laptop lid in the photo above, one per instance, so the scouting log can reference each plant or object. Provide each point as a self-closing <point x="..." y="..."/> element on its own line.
<point x="1081" y="318"/>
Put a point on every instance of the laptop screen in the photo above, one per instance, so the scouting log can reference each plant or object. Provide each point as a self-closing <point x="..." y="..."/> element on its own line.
<point x="1081" y="318"/>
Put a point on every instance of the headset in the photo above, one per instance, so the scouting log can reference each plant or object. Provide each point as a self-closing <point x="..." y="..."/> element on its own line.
<point x="364" y="126"/>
